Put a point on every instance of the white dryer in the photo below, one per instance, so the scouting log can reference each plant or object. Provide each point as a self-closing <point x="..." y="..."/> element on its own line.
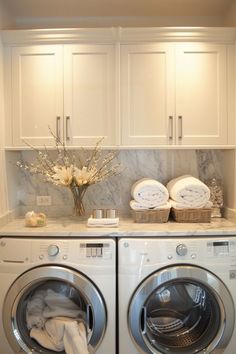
<point x="177" y="296"/>
<point x="83" y="269"/>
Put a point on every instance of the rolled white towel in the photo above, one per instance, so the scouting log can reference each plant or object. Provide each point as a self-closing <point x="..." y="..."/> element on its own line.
<point x="189" y="191"/>
<point x="137" y="206"/>
<point x="178" y="205"/>
<point x="149" y="193"/>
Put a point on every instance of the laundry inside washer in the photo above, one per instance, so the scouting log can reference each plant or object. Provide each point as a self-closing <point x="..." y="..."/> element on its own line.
<point x="42" y="314"/>
<point x="77" y="281"/>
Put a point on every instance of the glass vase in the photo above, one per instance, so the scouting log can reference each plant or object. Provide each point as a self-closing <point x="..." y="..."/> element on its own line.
<point x="78" y="193"/>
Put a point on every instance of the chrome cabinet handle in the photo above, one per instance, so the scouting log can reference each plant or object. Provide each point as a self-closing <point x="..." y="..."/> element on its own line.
<point x="180" y="127"/>
<point x="67" y="128"/>
<point x="170" y="127"/>
<point x="58" y="129"/>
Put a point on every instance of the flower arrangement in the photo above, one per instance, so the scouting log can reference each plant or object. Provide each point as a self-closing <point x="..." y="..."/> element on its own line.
<point x="74" y="170"/>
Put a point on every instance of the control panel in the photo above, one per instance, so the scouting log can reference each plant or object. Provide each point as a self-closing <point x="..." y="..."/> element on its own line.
<point x="221" y="248"/>
<point x="67" y="251"/>
<point x="95" y="250"/>
<point x="72" y="251"/>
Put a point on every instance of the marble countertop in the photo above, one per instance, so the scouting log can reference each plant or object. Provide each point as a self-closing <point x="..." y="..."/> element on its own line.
<point x="72" y="227"/>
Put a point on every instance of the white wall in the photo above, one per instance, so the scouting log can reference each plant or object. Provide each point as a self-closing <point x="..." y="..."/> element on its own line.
<point x="114" y="21"/>
<point x="3" y="190"/>
<point x="5" y="22"/>
<point x="230" y="16"/>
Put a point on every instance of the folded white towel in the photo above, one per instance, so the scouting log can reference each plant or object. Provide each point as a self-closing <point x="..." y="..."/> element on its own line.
<point x="149" y="193"/>
<point x="137" y="206"/>
<point x="189" y="191"/>
<point x="75" y="339"/>
<point x="178" y="205"/>
<point x="103" y="222"/>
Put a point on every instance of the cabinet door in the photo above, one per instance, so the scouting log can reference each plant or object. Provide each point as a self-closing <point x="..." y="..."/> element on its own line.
<point x="147" y="94"/>
<point x="201" y="103"/>
<point x="89" y="94"/>
<point x="37" y="94"/>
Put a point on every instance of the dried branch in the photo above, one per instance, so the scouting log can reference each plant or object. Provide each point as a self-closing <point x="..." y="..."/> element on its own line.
<point x="69" y="170"/>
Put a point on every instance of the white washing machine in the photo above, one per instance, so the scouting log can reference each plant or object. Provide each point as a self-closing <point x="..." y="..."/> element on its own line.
<point x="177" y="296"/>
<point x="81" y="269"/>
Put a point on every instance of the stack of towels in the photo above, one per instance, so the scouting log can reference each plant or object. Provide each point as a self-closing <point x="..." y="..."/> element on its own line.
<point x="188" y="192"/>
<point x="56" y="322"/>
<point x="149" y="194"/>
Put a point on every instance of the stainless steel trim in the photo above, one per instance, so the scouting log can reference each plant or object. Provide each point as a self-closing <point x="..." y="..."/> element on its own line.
<point x="58" y="129"/>
<point x="67" y="128"/>
<point x="170" y="127"/>
<point x="188" y="273"/>
<point x="180" y="127"/>
<point x="33" y="278"/>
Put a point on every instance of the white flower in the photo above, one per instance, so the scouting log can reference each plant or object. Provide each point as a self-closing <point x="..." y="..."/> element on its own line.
<point x="85" y="175"/>
<point x="70" y="169"/>
<point x="63" y="175"/>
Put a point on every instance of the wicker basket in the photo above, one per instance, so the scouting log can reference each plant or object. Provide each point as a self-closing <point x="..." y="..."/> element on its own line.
<point x="151" y="216"/>
<point x="191" y="215"/>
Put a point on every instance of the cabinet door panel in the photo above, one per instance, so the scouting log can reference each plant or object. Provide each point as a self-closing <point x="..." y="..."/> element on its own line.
<point x="146" y="93"/>
<point x="37" y="95"/>
<point x="89" y="94"/>
<point x="201" y="94"/>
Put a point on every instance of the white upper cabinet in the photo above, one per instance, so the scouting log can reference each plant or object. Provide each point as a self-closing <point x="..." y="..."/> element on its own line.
<point x="201" y="94"/>
<point x="174" y="94"/>
<point x="147" y="94"/>
<point x="89" y="94"/>
<point x="167" y="87"/>
<point x="37" y="93"/>
<point x="69" y="88"/>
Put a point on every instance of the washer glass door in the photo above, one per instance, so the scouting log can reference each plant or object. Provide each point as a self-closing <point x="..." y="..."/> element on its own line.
<point x="181" y="310"/>
<point x="52" y="292"/>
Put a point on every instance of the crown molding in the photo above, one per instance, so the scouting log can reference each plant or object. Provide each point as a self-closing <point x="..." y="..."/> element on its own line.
<point x="225" y="35"/>
<point x="55" y="36"/>
<point x="179" y="34"/>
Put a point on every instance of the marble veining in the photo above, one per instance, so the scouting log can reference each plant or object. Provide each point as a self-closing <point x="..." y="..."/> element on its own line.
<point x="114" y="192"/>
<point x="74" y="227"/>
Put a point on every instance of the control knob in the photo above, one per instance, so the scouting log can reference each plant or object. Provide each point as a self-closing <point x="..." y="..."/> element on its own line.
<point x="53" y="250"/>
<point x="181" y="249"/>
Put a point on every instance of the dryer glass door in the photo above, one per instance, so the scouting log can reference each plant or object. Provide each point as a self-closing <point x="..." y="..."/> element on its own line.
<point x="43" y="300"/>
<point x="181" y="310"/>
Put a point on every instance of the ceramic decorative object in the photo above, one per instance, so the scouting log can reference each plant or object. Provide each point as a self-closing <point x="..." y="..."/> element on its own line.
<point x="33" y="219"/>
<point x="216" y="197"/>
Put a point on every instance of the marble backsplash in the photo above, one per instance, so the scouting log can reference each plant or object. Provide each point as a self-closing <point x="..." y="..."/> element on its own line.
<point x="162" y="165"/>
